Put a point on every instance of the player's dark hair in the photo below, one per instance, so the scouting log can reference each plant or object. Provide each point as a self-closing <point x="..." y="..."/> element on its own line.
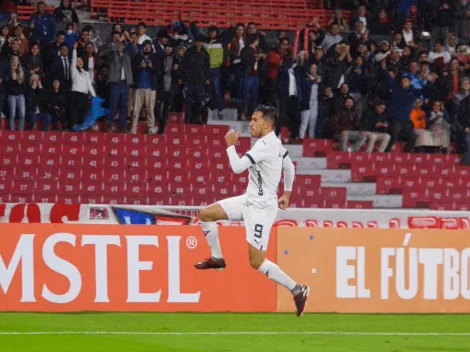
<point x="269" y="113"/>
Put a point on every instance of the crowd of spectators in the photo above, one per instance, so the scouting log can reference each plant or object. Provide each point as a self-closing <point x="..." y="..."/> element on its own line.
<point x="394" y="71"/>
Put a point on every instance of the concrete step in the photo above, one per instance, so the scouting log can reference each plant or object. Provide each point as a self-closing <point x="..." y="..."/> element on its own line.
<point x="355" y="188"/>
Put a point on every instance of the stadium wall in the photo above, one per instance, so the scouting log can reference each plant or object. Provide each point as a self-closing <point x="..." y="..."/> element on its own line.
<point x="79" y="267"/>
<point x="188" y="215"/>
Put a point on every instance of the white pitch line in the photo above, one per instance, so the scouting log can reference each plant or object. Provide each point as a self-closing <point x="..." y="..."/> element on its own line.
<point x="237" y="333"/>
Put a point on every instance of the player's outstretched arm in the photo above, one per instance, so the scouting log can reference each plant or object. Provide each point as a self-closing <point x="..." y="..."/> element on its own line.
<point x="237" y="164"/>
<point x="289" y="175"/>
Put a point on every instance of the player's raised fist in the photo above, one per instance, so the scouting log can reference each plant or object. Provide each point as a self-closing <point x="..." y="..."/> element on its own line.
<point x="231" y="138"/>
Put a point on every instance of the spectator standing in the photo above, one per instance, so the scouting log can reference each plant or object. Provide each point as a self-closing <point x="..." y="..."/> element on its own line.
<point x="4" y="31"/>
<point x="340" y="20"/>
<point x="234" y="82"/>
<point x="71" y="35"/>
<point x="24" y="43"/>
<point x="463" y="128"/>
<point x="52" y="51"/>
<point x="403" y="99"/>
<point x="461" y="95"/>
<point x="36" y="104"/>
<point x="32" y="62"/>
<point x="81" y="88"/>
<point x="61" y="68"/>
<point x="90" y="61"/>
<point x="252" y="34"/>
<point x="3" y="80"/>
<point x="83" y="41"/>
<point x="274" y="60"/>
<point x="215" y="49"/>
<point x="309" y="88"/>
<point x="360" y="16"/>
<point x="15" y="93"/>
<point x="146" y="69"/>
<point x="332" y="37"/>
<point x="439" y="52"/>
<point x="195" y="73"/>
<point x="288" y="96"/>
<point x="251" y="67"/>
<point x="65" y="13"/>
<point x="337" y="61"/>
<point x="142" y="34"/>
<point x="442" y="22"/>
<point x="166" y="86"/>
<point x="119" y="80"/>
<point x="43" y="24"/>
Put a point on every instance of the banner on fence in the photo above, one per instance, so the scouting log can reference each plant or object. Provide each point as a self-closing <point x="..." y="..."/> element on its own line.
<point x="157" y="215"/>
<point x="126" y="268"/>
<point x="386" y="271"/>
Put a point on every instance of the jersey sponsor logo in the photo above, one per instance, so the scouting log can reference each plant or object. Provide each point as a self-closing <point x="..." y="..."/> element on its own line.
<point x="260" y="184"/>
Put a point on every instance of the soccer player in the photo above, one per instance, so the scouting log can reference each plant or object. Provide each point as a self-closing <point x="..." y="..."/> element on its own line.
<point x="258" y="207"/>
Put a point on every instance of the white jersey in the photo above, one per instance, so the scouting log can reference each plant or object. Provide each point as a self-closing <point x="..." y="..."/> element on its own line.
<point x="258" y="207"/>
<point x="266" y="158"/>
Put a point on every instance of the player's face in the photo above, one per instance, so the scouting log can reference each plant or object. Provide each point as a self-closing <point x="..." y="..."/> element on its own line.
<point x="257" y="125"/>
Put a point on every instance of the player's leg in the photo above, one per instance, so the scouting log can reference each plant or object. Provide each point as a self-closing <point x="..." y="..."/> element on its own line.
<point x="227" y="209"/>
<point x="208" y="217"/>
<point x="258" y="223"/>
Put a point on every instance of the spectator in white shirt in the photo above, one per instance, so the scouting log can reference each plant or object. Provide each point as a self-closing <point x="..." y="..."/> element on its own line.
<point x="451" y="44"/>
<point x="439" y="52"/>
<point x="142" y="29"/>
<point x="81" y="87"/>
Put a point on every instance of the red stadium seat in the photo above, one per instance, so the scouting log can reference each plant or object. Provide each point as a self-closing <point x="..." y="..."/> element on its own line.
<point x="114" y="199"/>
<point x="25" y="173"/>
<point x="47" y="187"/>
<point x="91" y="199"/>
<point x="113" y="188"/>
<point x="47" y="173"/>
<point x="91" y="175"/>
<point x="7" y="172"/>
<point x="22" y="186"/>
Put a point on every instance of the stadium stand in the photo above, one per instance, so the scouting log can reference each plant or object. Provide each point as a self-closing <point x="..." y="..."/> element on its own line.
<point x="368" y="57"/>
<point x="181" y="168"/>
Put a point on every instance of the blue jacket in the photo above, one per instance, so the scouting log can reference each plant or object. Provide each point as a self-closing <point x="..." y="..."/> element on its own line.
<point x="44" y="27"/>
<point x="403" y="99"/>
<point x="416" y="81"/>
<point x="70" y="39"/>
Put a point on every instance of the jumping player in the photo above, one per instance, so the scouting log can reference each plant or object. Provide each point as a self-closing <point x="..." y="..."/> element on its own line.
<point x="258" y="207"/>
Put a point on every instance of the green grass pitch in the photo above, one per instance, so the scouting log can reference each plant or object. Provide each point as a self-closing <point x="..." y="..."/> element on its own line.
<point x="210" y="332"/>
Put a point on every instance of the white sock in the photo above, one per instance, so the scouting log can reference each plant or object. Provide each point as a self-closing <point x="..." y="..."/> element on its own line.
<point x="277" y="275"/>
<point x="212" y="236"/>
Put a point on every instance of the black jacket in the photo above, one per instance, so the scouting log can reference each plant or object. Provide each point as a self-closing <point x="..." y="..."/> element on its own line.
<point x="61" y="12"/>
<point x="58" y="72"/>
<point x="370" y="118"/>
<point x="248" y="61"/>
<point x="57" y="99"/>
<point x="463" y="115"/>
<point x="36" y="97"/>
<point x="196" y="66"/>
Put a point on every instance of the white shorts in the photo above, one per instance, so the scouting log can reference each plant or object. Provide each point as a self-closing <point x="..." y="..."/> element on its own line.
<point x="258" y="221"/>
